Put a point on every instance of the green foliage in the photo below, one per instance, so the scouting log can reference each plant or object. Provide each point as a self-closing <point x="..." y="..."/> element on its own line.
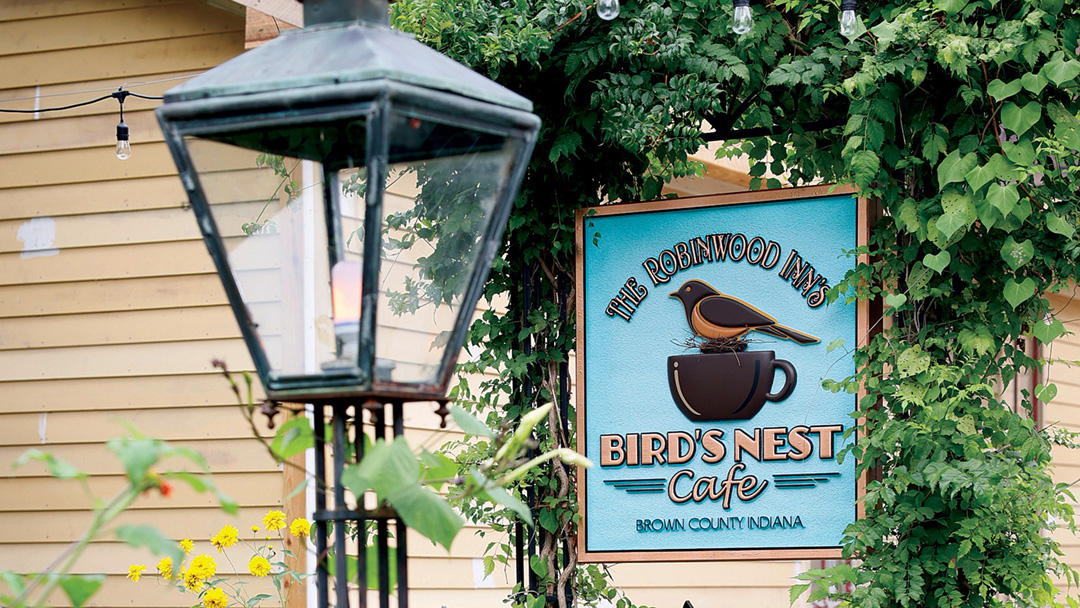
<point x="960" y="118"/>
<point x="140" y="456"/>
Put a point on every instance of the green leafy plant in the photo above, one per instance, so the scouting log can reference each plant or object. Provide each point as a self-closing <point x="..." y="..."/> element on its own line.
<point x="140" y="456"/>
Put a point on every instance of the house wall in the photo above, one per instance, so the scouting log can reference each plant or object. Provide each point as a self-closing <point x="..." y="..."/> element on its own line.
<point x="1064" y="411"/>
<point x="110" y="310"/>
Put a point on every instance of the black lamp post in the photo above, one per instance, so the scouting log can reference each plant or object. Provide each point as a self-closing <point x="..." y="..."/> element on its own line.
<point x="352" y="186"/>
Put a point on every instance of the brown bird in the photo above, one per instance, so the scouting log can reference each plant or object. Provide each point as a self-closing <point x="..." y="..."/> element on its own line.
<point x="713" y="315"/>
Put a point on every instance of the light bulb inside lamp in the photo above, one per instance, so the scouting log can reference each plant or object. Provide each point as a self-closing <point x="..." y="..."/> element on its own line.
<point x="123" y="144"/>
<point x="345" y="293"/>
<point x="743" y="19"/>
<point x="607" y="9"/>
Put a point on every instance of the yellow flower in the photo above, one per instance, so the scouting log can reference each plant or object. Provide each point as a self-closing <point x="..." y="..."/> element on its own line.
<point x="300" y="527"/>
<point x="255" y="529"/>
<point x="203" y="567"/>
<point x="192" y="582"/>
<point x="164" y="567"/>
<point x="259" y="566"/>
<point x="274" y="520"/>
<point x="187" y="545"/>
<point x="135" y="571"/>
<point x="226" y="537"/>
<point x="215" y="598"/>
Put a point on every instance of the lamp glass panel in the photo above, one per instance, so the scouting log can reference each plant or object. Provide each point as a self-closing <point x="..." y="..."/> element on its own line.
<point x="266" y="193"/>
<point x="442" y="186"/>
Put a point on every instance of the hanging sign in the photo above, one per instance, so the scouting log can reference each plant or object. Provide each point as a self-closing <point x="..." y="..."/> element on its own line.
<point x="704" y="334"/>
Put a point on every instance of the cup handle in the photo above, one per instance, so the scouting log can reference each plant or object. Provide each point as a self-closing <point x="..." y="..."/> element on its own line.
<point x="789" y="380"/>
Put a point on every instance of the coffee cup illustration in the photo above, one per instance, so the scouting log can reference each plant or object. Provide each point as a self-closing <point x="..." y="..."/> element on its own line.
<point x="727" y="386"/>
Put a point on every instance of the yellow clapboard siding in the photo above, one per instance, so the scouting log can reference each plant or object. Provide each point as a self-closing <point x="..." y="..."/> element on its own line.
<point x="86" y="164"/>
<point x="101" y="229"/>
<point x="113" y="558"/>
<point x="111" y="262"/>
<point x="97" y="459"/>
<point x="131" y="60"/>
<point x="131" y="392"/>
<point x="224" y="422"/>
<point x="68" y="526"/>
<point x="118" y="592"/>
<point x="210" y="322"/>
<point x="104" y="296"/>
<point x="67" y="132"/>
<point x="122" y="360"/>
<point x="114" y="27"/>
<point x="42" y="494"/>
<point x="36" y="9"/>
<point x="93" y="197"/>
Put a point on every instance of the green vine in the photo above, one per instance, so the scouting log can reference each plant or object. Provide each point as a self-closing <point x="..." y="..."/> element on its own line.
<point x="958" y="118"/>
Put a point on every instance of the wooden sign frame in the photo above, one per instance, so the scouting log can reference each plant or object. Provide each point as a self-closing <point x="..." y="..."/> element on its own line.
<point x="863" y="219"/>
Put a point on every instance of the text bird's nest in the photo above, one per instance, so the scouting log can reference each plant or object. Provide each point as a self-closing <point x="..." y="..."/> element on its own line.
<point x="715" y="345"/>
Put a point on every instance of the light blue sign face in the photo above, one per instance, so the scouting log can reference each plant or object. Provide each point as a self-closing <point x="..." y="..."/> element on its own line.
<point x="698" y="452"/>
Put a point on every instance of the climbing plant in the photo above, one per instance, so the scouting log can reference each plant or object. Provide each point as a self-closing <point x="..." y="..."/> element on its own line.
<point x="958" y="118"/>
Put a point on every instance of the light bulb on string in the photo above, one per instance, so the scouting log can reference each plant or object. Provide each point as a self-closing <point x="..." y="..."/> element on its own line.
<point x="607" y="9"/>
<point x="849" y="21"/>
<point x="123" y="144"/>
<point x="123" y="141"/>
<point x="743" y="19"/>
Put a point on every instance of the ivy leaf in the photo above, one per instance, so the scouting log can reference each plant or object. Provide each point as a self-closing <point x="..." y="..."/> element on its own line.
<point x="954" y="167"/>
<point x="1017" y="254"/>
<point x="895" y="300"/>
<point x="1003" y="198"/>
<point x="79" y="587"/>
<point x="1048" y="330"/>
<point x="1019" y="120"/>
<point x="1033" y="82"/>
<point x="912" y="361"/>
<point x="1021" y="153"/>
<point x="1045" y="393"/>
<point x="1018" y="293"/>
<point x="999" y="90"/>
<point x="1059" y="225"/>
<point x="949" y="223"/>
<point x="835" y="344"/>
<point x="938" y="263"/>
<point x="979" y="176"/>
<point x="1059" y="71"/>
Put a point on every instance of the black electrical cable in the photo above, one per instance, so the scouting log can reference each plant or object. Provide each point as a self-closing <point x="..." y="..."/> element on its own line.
<point x="67" y="107"/>
<point x="118" y="95"/>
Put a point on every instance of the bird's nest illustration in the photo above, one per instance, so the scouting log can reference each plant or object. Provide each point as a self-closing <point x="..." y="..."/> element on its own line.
<point x="715" y="345"/>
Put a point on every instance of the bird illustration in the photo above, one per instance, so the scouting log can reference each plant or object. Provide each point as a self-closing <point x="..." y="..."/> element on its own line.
<point x="713" y="315"/>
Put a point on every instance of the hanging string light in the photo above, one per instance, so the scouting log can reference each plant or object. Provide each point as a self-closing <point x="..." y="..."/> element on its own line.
<point x="123" y="143"/>
<point x="743" y="19"/>
<point x="607" y="9"/>
<point x="849" y="21"/>
<point x="123" y="134"/>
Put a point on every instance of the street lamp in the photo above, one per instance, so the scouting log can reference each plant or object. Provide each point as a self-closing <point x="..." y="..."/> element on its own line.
<point x="352" y="186"/>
